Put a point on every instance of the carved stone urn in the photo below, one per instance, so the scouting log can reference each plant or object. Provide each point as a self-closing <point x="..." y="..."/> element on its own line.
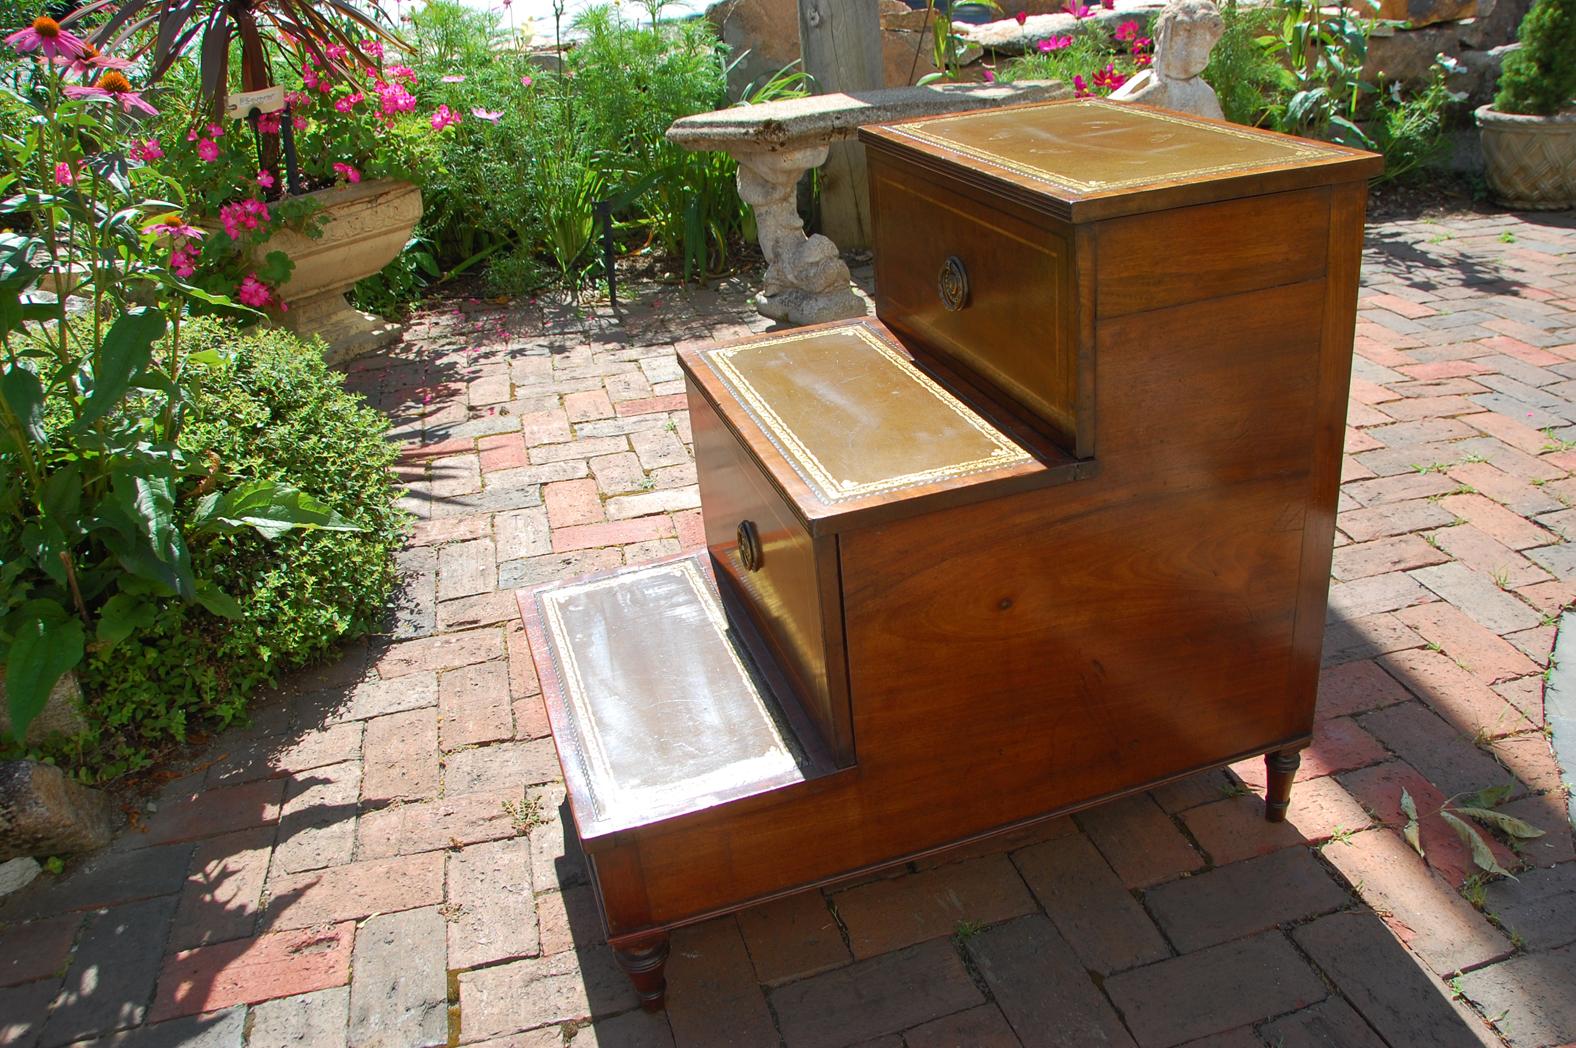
<point x="367" y="226"/>
<point x="1530" y="160"/>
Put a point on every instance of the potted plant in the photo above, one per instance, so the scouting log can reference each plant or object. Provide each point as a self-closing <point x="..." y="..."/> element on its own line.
<point x="290" y="239"/>
<point x="1529" y="131"/>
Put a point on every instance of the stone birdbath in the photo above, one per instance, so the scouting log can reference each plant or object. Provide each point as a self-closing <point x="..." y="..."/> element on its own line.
<point x="775" y="143"/>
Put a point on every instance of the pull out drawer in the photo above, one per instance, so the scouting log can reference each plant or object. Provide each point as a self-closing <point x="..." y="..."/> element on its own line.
<point x="989" y="292"/>
<point x="788" y="579"/>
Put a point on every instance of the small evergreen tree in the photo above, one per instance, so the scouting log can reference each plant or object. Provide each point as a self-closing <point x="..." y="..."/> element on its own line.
<point x="1539" y="78"/>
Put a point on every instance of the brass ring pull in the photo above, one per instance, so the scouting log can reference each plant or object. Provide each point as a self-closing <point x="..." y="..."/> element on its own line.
<point x="751" y="555"/>
<point x="953" y="284"/>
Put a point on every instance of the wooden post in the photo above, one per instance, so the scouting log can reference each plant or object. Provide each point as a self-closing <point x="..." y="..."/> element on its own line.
<point x="840" y="41"/>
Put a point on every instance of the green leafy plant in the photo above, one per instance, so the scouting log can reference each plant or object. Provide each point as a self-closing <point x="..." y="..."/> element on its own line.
<point x="1411" y="130"/>
<point x="1539" y="77"/>
<point x="1245" y="77"/>
<point x="1321" y="54"/>
<point x="1480" y="807"/>
<point x="103" y="507"/>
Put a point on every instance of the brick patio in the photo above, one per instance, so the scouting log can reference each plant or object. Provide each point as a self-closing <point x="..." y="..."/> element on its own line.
<point x="376" y="820"/>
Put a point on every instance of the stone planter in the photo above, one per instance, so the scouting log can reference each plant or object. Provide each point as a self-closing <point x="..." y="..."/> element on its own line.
<point x="1531" y="160"/>
<point x="368" y="226"/>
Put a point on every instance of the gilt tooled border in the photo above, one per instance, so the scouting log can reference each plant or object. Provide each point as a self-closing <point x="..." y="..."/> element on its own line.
<point x="921" y="133"/>
<point x="832" y="490"/>
<point x="595" y="764"/>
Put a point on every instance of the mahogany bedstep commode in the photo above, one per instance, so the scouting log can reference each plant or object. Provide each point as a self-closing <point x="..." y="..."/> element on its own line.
<point x="1054" y="529"/>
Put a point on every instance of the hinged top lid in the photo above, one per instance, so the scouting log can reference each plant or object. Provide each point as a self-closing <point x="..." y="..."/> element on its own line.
<point x="844" y="422"/>
<point x="1091" y="158"/>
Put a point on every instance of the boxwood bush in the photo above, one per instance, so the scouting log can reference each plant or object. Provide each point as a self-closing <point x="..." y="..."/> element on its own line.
<point x="269" y="410"/>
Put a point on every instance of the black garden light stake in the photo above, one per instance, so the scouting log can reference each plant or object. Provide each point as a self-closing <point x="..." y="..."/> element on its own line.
<point x="604" y="214"/>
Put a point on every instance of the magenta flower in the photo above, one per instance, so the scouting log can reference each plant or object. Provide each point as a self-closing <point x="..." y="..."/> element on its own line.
<point x="490" y="115"/>
<point x="91" y="59"/>
<point x="175" y="228"/>
<point x="349" y="102"/>
<point x="215" y="130"/>
<point x="443" y="117"/>
<point x="1021" y="17"/>
<point x="183" y="260"/>
<point x="208" y="149"/>
<point x="265" y="179"/>
<point x="348" y="173"/>
<point x="1109" y="78"/>
<point x="64" y="175"/>
<point x="393" y="98"/>
<point x="1076" y="9"/>
<point x="268" y="124"/>
<point x="990" y="76"/>
<point x="338" y="52"/>
<point x="242" y="216"/>
<point x="1127" y="31"/>
<point x="372" y="47"/>
<point x="147" y="151"/>
<point x="401" y="72"/>
<point x="117" y="89"/>
<point x="254" y="292"/>
<point x="46" y="35"/>
<point x="1080" y="89"/>
<point x="526" y="81"/>
<point x="1054" y="43"/>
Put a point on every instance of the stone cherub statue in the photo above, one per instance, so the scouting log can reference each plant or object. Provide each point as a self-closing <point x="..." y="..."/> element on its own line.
<point x="1185" y="33"/>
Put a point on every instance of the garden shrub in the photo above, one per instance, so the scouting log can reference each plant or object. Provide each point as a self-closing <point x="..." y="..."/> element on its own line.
<point x="271" y="410"/>
<point x="1539" y="78"/>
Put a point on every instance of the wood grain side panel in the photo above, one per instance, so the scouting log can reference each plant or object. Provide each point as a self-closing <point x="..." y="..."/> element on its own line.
<point x="1347" y="206"/>
<point x="1150" y="262"/>
<point x="785" y="596"/>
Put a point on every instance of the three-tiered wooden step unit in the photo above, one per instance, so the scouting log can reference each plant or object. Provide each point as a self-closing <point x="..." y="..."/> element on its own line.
<point x="1055" y="530"/>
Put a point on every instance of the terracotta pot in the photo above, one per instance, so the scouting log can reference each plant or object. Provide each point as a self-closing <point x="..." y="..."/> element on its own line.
<point x="368" y="226"/>
<point x="1531" y="160"/>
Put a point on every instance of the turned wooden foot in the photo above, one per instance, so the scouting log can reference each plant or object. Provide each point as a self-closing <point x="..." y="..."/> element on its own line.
<point x="645" y="962"/>
<point x="1282" y="768"/>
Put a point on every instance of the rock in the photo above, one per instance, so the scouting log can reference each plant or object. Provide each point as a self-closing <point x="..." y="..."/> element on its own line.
<point x="1495" y="25"/>
<point x="17" y="874"/>
<point x="62" y="713"/>
<point x="1427" y="12"/>
<point x="1008" y="37"/>
<point x="44" y="813"/>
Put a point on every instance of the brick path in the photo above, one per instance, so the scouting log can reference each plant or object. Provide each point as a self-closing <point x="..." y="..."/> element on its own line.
<point x="381" y="817"/>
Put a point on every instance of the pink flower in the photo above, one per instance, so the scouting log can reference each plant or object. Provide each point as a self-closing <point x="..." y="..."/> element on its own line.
<point x="1054" y="43"/>
<point x="176" y="228"/>
<point x="298" y="99"/>
<point x="146" y="151"/>
<point x="117" y="89"/>
<point x="400" y="72"/>
<point x="1109" y="78"/>
<point x="443" y="116"/>
<point x="254" y="292"/>
<point x="265" y="179"/>
<point x="337" y="52"/>
<point x="242" y="216"/>
<point x="490" y="115"/>
<point x="215" y="130"/>
<point x="453" y="79"/>
<point x="1109" y="5"/>
<point x="372" y="47"/>
<point x="1080" y="89"/>
<point x="990" y="76"/>
<point x="64" y="175"/>
<point x="208" y="149"/>
<point x="89" y="60"/>
<point x="1021" y="17"/>
<point x="268" y="124"/>
<point x="349" y="102"/>
<point x="1127" y="31"/>
<point x="393" y="98"/>
<point x="46" y="35"/>
<point x="1077" y="10"/>
<point x="300" y="121"/>
<point x="348" y="173"/>
<point x="183" y="260"/>
<point x="526" y="81"/>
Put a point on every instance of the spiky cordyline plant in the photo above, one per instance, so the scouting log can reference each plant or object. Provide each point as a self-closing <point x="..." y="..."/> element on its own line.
<point x="163" y="30"/>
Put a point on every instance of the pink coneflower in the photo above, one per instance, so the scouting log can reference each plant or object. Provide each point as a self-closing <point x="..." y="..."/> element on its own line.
<point x="46" y="35"/>
<point x="443" y="117"/>
<point x="91" y="59"/>
<point x="490" y="115"/>
<point x="452" y="78"/>
<point x="208" y="150"/>
<point x="265" y="179"/>
<point x="65" y="175"/>
<point x="115" y="87"/>
<point x="254" y="292"/>
<point x="175" y="228"/>
<point x="348" y="173"/>
<point x="147" y="151"/>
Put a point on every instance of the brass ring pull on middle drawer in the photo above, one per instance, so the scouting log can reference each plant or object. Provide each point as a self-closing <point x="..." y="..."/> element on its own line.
<point x="751" y="554"/>
<point x="953" y="284"/>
